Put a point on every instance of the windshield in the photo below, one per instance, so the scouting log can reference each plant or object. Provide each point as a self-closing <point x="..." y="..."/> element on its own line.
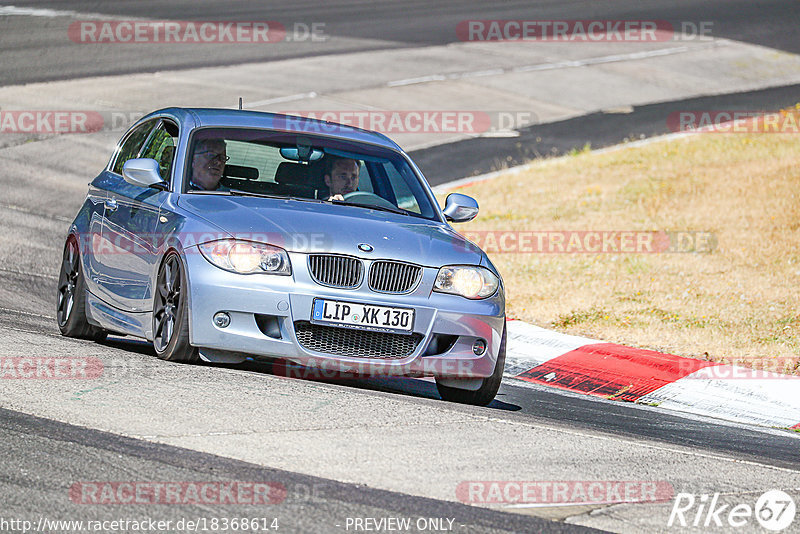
<point x="304" y="167"/>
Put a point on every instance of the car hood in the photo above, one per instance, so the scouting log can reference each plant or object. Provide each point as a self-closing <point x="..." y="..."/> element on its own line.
<point x="308" y="227"/>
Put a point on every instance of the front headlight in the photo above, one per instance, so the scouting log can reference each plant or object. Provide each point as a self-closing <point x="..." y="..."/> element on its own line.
<point x="467" y="281"/>
<point x="246" y="257"/>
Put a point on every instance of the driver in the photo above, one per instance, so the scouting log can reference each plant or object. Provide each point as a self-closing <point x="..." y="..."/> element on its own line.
<point x="208" y="164"/>
<point x="341" y="177"/>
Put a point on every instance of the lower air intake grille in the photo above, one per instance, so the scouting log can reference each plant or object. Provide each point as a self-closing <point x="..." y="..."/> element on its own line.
<point x="355" y="343"/>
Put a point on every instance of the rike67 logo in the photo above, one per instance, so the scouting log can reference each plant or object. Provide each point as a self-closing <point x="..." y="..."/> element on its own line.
<point x="774" y="510"/>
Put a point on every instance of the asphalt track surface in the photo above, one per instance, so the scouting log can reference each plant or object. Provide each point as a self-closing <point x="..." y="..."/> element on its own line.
<point x="44" y="53"/>
<point x="445" y="163"/>
<point x="40" y="454"/>
<point x="43" y="458"/>
<point x="37" y="49"/>
<point x="51" y="452"/>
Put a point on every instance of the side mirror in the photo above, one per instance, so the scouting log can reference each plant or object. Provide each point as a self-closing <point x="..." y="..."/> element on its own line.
<point x="460" y="208"/>
<point x="144" y="173"/>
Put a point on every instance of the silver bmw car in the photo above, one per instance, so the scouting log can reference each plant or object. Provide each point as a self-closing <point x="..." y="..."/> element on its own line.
<point x="224" y="235"/>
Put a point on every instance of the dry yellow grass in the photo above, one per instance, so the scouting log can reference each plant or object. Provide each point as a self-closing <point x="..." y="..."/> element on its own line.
<point x="738" y="304"/>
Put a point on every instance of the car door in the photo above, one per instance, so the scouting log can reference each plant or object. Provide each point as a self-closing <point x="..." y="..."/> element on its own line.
<point x="130" y="220"/>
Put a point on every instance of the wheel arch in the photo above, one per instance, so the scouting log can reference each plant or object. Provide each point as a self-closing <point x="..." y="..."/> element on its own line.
<point x="178" y="251"/>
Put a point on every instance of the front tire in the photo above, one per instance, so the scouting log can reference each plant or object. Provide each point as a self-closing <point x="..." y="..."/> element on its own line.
<point x="71" y="300"/>
<point x="488" y="390"/>
<point x="170" y="314"/>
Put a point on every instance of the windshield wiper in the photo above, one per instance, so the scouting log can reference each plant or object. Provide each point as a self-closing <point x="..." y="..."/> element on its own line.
<point x="241" y="193"/>
<point x="399" y="211"/>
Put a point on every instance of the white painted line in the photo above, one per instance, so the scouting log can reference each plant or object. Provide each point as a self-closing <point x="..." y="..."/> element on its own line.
<point x="501" y="134"/>
<point x="634" y="442"/>
<point x="443" y="188"/>
<point x="12" y="11"/>
<point x="616" y="58"/>
<point x="529" y="346"/>
<point x="770" y="400"/>
<point x="568" y="504"/>
<point x="279" y="100"/>
<point x="421" y="79"/>
<point x="481" y="73"/>
<point x="726" y="392"/>
<point x="568" y="64"/>
<point x="6" y="11"/>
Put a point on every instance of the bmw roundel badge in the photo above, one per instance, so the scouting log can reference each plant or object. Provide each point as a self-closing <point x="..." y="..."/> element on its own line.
<point x="365" y="247"/>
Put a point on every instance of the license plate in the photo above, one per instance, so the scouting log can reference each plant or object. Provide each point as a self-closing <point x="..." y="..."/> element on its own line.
<point x="362" y="316"/>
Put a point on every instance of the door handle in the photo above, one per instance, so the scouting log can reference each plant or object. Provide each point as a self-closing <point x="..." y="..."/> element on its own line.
<point x="111" y="204"/>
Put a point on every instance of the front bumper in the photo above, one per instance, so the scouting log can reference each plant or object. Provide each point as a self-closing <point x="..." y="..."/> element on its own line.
<point x="264" y="309"/>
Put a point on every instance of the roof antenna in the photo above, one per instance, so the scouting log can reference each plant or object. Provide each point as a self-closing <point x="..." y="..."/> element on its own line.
<point x="240" y="103"/>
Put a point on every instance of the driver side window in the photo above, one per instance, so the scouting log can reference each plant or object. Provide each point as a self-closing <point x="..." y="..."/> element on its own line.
<point x="132" y="145"/>
<point x="161" y="147"/>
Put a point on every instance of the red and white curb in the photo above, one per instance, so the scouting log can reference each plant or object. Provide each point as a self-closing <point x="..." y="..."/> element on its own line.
<point x="617" y="372"/>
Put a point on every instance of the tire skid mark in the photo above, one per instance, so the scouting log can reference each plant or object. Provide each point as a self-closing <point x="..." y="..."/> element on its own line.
<point x="27" y="211"/>
<point x="11" y="310"/>
<point x="22" y="273"/>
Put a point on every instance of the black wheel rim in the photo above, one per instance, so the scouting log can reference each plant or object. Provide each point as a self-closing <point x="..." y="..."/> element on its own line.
<point x="67" y="281"/>
<point x="167" y="302"/>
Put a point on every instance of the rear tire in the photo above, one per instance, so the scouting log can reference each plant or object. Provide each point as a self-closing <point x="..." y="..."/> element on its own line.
<point x="170" y="314"/>
<point x="71" y="298"/>
<point x="488" y="390"/>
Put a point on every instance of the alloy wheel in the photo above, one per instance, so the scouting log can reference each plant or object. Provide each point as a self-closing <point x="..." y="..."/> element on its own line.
<point x="67" y="282"/>
<point x="168" y="300"/>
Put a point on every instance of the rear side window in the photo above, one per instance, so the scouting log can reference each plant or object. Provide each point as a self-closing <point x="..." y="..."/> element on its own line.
<point x="132" y="145"/>
<point x="264" y="158"/>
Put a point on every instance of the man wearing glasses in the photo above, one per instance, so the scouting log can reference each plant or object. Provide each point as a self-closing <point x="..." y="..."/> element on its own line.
<point x="208" y="164"/>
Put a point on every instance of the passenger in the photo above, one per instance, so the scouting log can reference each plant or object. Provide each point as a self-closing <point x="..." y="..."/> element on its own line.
<point x="341" y="177"/>
<point x="208" y="164"/>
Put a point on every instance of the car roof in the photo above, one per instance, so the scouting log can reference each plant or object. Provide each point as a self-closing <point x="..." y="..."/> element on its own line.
<point x="235" y="118"/>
